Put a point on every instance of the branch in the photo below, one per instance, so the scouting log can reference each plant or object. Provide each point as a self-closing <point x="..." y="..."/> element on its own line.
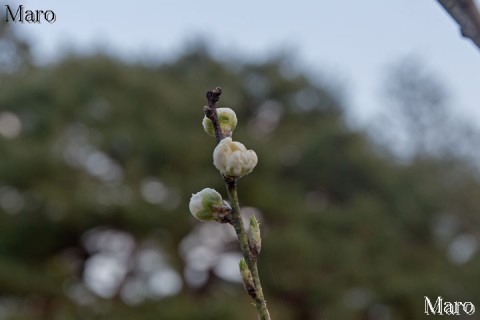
<point x="237" y="224"/>
<point x="235" y="219"/>
<point x="467" y="15"/>
<point x="211" y="111"/>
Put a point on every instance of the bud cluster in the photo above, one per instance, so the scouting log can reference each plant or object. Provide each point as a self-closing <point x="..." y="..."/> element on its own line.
<point x="231" y="158"/>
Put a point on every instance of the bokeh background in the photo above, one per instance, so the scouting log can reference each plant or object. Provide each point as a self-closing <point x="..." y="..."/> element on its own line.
<point x="364" y="118"/>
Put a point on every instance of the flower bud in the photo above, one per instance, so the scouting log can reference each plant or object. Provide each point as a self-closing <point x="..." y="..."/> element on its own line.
<point x="203" y="205"/>
<point x="254" y="239"/>
<point x="247" y="277"/>
<point x="232" y="159"/>
<point x="227" y="120"/>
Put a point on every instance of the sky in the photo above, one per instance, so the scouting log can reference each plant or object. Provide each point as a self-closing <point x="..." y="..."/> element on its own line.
<point x="352" y="42"/>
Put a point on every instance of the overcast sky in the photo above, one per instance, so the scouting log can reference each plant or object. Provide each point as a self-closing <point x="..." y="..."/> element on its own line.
<point x="353" y="40"/>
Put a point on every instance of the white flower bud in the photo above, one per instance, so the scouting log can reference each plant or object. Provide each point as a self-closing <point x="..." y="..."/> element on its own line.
<point x="232" y="159"/>
<point x="227" y="120"/>
<point x="203" y="204"/>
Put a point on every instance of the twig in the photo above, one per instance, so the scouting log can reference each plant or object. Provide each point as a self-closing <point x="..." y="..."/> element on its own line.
<point x="237" y="223"/>
<point x="211" y="111"/>
<point x="467" y="15"/>
<point x="236" y="220"/>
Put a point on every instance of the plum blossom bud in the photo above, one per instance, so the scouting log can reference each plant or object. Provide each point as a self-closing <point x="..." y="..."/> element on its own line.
<point x="232" y="159"/>
<point x="227" y="119"/>
<point x="254" y="239"/>
<point x="204" y="204"/>
<point x="247" y="278"/>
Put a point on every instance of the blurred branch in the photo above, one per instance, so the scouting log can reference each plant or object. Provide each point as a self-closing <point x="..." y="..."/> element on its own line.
<point x="466" y="14"/>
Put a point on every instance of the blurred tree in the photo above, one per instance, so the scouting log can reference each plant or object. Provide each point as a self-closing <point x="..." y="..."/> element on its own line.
<point x="98" y="161"/>
<point x="14" y="52"/>
<point x="418" y="121"/>
<point x="416" y="108"/>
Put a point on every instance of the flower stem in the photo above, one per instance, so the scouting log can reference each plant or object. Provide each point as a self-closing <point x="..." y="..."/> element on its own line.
<point x="237" y="224"/>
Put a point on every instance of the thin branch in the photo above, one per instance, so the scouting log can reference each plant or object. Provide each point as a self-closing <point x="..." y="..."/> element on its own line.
<point x="237" y="224"/>
<point x="211" y="111"/>
<point x="235" y="219"/>
<point x="467" y="15"/>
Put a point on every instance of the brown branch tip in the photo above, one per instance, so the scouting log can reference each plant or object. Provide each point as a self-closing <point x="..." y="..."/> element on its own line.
<point x="213" y="96"/>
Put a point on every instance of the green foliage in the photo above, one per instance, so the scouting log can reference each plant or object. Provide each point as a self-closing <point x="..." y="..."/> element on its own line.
<point x="109" y="149"/>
